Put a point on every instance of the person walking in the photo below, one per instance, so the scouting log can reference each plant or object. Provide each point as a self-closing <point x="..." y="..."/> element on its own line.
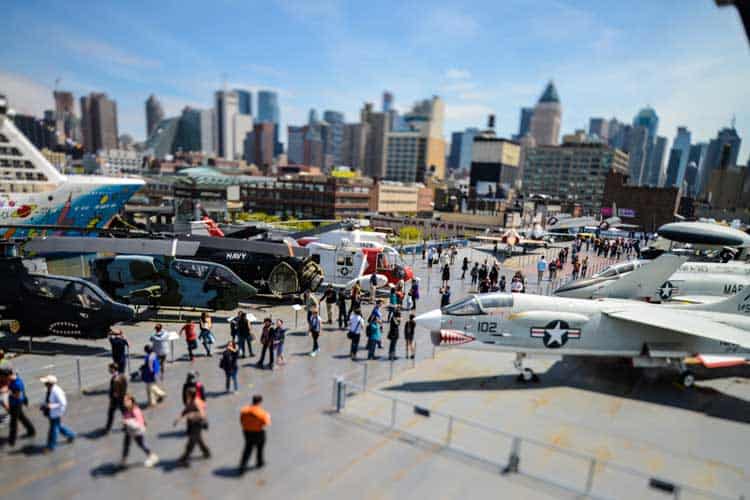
<point x="446" y="275"/>
<point x="228" y="363"/>
<point x="279" y="335"/>
<point x="206" y="336"/>
<point x="266" y="341"/>
<point x="392" y="302"/>
<point x="118" y="387"/>
<point x="134" y="426"/>
<point x="356" y="296"/>
<point x="445" y="296"/>
<point x="541" y="268"/>
<point x="414" y="292"/>
<point x="330" y="299"/>
<point x="191" y="337"/>
<point x="474" y="275"/>
<point x="341" y="306"/>
<point x="373" y="336"/>
<point x="464" y="268"/>
<point x="194" y="415"/>
<point x="409" y="327"/>
<point x="254" y="420"/>
<point x="493" y="274"/>
<point x="313" y="324"/>
<point x="310" y="302"/>
<point x="160" y="344"/>
<point x="54" y="406"/>
<point x="503" y="283"/>
<point x="16" y="401"/>
<point x="120" y="346"/>
<point x="393" y="334"/>
<point x="149" y="372"/>
<point x="244" y="334"/>
<point x="192" y="382"/>
<point x="355" y="331"/>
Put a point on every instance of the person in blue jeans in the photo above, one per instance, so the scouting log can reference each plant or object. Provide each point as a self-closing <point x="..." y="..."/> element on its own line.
<point x="229" y="364"/>
<point x="54" y="406"/>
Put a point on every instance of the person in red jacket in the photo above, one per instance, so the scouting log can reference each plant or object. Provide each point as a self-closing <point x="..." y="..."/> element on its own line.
<point x="254" y="420"/>
<point x="191" y="337"/>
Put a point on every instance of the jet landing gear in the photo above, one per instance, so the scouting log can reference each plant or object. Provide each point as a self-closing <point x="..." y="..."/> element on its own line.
<point x="525" y="374"/>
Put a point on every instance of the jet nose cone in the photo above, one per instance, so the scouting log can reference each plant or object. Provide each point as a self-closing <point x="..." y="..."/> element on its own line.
<point x="430" y="320"/>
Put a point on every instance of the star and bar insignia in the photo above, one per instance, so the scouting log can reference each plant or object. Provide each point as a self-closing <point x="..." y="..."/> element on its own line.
<point x="555" y="334"/>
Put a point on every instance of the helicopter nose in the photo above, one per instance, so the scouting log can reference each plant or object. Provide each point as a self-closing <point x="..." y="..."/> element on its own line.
<point x="430" y="320"/>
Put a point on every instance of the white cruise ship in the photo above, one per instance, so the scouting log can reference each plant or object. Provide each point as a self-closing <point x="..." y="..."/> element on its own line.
<point x="34" y="193"/>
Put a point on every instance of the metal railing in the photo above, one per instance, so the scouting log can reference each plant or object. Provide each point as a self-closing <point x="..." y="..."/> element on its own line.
<point x="509" y="453"/>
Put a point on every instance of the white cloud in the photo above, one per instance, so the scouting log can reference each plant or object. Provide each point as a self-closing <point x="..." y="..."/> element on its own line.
<point x="24" y="95"/>
<point x="104" y="52"/>
<point x="457" y="74"/>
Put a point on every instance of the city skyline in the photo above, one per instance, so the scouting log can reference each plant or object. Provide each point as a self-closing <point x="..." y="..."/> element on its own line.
<point x="605" y="60"/>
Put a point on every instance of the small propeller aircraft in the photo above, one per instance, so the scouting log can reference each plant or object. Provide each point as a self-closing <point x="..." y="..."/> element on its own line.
<point x="714" y="335"/>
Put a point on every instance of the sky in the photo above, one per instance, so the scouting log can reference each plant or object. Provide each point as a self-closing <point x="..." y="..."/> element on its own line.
<point x="688" y="59"/>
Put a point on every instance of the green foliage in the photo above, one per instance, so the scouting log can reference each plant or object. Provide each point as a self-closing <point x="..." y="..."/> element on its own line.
<point x="409" y="233"/>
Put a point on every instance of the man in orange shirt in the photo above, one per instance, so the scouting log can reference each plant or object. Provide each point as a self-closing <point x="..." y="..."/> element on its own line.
<point x="254" y="420"/>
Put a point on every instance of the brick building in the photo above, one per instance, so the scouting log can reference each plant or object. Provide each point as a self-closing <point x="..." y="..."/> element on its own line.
<point x="647" y="207"/>
<point x="309" y="197"/>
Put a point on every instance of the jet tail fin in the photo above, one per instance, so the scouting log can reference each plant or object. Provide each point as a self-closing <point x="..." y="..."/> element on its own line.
<point x="645" y="282"/>
<point x="738" y="303"/>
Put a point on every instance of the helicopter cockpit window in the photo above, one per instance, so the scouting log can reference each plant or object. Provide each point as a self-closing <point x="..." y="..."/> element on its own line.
<point x="48" y="288"/>
<point x="87" y="297"/>
<point x="191" y="269"/>
<point x="222" y="277"/>
<point x="466" y="307"/>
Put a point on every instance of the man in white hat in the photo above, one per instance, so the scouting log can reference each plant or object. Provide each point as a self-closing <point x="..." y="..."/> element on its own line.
<point x="53" y="407"/>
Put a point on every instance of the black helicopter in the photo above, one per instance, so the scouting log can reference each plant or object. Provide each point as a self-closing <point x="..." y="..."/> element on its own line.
<point x="40" y="305"/>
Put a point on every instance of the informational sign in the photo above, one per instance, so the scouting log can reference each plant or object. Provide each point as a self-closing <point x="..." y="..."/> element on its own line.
<point x="233" y="193"/>
<point x="626" y="212"/>
<point x="606" y="211"/>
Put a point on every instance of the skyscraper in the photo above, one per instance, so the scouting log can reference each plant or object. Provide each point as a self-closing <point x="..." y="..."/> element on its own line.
<point x="354" y="145"/>
<point x="377" y="140"/>
<point x="656" y="155"/>
<point x="727" y="138"/>
<point x="98" y="122"/>
<point x="681" y="143"/>
<point x="599" y="127"/>
<point x="524" y="124"/>
<point x="312" y="116"/>
<point x="545" y="122"/>
<point x="268" y="112"/>
<point x="387" y="101"/>
<point x="646" y="152"/>
<point x="461" y="147"/>
<point x="334" y="136"/>
<point x="268" y="107"/>
<point x="226" y="106"/>
<point x="647" y="118"/>
<point x="154" y="113"/>
<point x="638" y="149"/>
<point x="263" y="144"/>
<point x="244" y="102"/>
<point x="295" y="144"/>
<point x="66" y="123"/>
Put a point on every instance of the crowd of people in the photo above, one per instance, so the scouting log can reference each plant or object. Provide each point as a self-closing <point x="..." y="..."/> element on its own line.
<point x="391" y="318"/>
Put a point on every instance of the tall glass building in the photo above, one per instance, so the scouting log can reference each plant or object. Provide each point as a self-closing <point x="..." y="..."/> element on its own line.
<point x="245" y="102"/>
<point x="268" y="111"/>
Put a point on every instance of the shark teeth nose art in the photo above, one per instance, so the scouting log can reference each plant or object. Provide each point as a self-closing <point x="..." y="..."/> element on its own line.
<point x="450" y="337"/>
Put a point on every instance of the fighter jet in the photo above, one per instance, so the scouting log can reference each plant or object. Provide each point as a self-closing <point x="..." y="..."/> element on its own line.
<point x="650" y="335"/>
<point x="666" y="278"/>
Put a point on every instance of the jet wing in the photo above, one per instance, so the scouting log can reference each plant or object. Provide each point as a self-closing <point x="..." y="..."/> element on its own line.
<point x="694" y="299"/>
<point x="683" y="322"/>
